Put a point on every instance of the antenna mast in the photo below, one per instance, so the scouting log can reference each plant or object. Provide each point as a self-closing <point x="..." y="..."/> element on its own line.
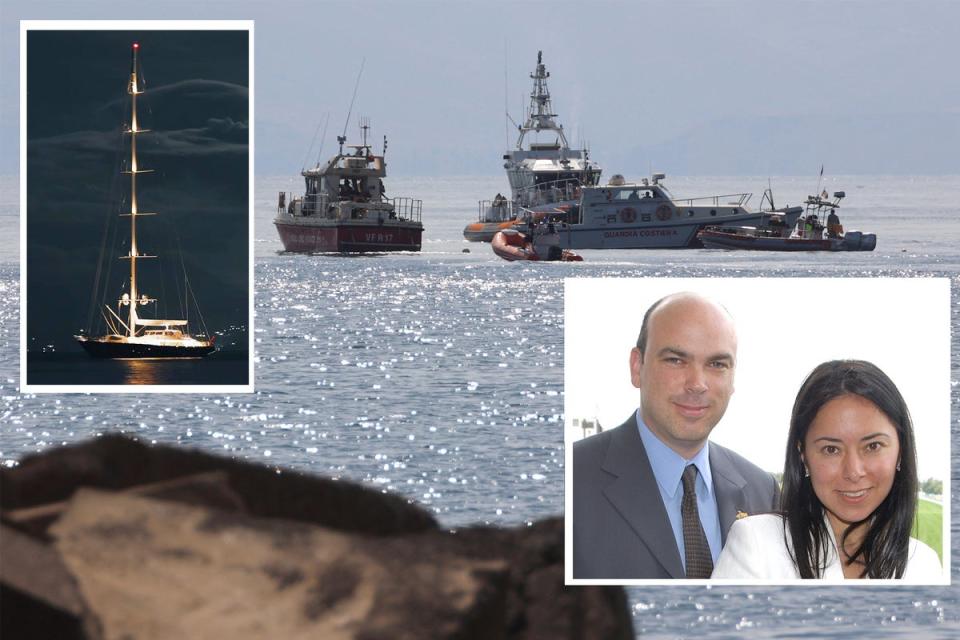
<point x="540" y="116"/>
<point x="364" y="129"/>
<point x="350" y="111"/>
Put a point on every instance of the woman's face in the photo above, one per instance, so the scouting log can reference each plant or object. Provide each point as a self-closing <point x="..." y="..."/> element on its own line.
<point x="851" y="451"/>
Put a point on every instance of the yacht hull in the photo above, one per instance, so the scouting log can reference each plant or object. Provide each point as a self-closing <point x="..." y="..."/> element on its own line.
<point x="120" y="350"/>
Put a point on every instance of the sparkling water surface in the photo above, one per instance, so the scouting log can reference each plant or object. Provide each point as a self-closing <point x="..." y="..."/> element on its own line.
<point x="439" y="376"/>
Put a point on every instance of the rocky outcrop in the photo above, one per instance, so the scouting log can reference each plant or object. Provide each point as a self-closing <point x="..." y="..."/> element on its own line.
<point x="115" y="462"/>
<point x="113" y="539"/>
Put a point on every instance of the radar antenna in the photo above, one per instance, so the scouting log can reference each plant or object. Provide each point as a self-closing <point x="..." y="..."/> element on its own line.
<point x="364" y="130"/>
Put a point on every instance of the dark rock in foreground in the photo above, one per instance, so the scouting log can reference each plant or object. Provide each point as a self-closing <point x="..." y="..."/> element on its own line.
<point x="166" y="542"/>
<point x="116" y="463"/>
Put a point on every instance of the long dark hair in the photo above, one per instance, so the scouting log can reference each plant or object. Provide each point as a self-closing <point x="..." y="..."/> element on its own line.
<point x="885" y="544"/>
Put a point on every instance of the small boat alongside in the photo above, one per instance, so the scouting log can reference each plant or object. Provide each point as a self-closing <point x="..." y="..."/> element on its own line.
<point x="809" y="233"/>
<point x="645" y="215"/>
<point x="137" y="337"/>
<point x="538" y="243"/>
<point x="496" y="215"/>
<point x="345" y="208"/>
<point x="545" y="176"/>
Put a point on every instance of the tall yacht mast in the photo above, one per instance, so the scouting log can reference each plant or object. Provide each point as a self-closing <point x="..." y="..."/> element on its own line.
<point x="133" y="88"/>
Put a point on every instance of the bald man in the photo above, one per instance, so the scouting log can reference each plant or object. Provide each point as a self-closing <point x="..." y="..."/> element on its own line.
<point x="654" y="498"/>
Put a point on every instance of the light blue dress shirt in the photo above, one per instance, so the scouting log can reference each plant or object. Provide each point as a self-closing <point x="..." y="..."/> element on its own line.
<point x="668" y="466"/>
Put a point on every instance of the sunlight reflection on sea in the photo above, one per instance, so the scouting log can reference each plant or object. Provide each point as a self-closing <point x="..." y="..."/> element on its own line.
<point x="439" y="376"/>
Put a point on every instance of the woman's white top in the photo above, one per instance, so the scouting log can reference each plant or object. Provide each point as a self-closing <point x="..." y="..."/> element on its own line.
<point x="757" y="548"/>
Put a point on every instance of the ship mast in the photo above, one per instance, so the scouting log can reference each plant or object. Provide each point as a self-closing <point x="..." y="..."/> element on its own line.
<point x="540" y="116"/>
<point x="133" y="88"/>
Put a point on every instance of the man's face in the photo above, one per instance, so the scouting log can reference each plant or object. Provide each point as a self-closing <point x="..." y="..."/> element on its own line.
<point x="685" y="375"/>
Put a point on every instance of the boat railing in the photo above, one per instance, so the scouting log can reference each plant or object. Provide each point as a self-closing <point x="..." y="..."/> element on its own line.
<point x="407" y="208"/>
<point x="309" y="205"/>
<point x="734" y="199"/>
<point x="527" y="215"/>
<point x="549" y="192"/>
<point x="823" y="202"/>
<point x="320" y="205"/>
<point x="497" y="210"/>
<point x="288" y="203"/>
<point x="313" y="204"/>
<point x="545" y="193"/>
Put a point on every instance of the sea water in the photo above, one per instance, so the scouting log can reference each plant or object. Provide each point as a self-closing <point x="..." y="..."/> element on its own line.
<point x="439" y="376"/>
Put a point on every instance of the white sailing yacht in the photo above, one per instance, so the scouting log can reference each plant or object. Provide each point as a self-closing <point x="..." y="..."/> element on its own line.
<point x="130" y="335"/>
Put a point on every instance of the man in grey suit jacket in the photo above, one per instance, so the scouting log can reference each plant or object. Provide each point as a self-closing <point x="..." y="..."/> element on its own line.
<point x="628" y="521"/>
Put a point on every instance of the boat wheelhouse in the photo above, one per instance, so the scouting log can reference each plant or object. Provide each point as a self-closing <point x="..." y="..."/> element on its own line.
<point x="345" y="208"/>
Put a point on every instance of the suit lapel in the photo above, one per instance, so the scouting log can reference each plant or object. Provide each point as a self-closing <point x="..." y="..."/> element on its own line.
<point x="634" y="494"/>
<point x="728" y="486"/>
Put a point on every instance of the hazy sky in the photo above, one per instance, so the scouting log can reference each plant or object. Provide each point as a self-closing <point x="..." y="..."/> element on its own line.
<point x="720" y="87"/>
<point x="196" y="108"/>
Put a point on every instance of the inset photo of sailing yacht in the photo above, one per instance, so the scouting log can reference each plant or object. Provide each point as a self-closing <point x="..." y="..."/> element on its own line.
<point x="136" y="259"/>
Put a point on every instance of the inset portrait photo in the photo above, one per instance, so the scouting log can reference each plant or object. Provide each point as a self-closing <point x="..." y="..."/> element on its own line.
<point x="757" y="430"/>
<point x="136" y="208"/>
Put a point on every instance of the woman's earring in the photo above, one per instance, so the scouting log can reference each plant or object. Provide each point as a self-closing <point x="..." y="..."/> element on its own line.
<point x="806" y="471"/>
<point x="898" y="465"/>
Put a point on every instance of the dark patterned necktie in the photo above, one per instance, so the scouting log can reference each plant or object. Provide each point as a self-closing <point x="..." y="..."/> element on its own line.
<point x="699" y="560"/>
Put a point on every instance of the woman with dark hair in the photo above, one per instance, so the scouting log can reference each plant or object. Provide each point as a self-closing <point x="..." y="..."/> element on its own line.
<point x="849" y="494"/>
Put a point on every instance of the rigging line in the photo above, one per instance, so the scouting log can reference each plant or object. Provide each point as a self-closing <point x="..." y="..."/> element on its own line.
<point x="323" y="138"/>
<point x="111" y="244"/>
<point x="109" y="322"/>
<point x="188" y="289"/>
<point x="103" y="245"/>
<point x="176" y="284"/>
<point x="303" y="164"/>
<point x="141" y="76"/>
<point x="117" y="243"/>
<point x="119" y="289"/>
<point x="160" y="308"/>
<point x="170" y="230"/>
<point x="115" y="201"/>
<point x="306" y="156"/>
<point x="355" y="87"/>
<point x="185" y="304"/>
